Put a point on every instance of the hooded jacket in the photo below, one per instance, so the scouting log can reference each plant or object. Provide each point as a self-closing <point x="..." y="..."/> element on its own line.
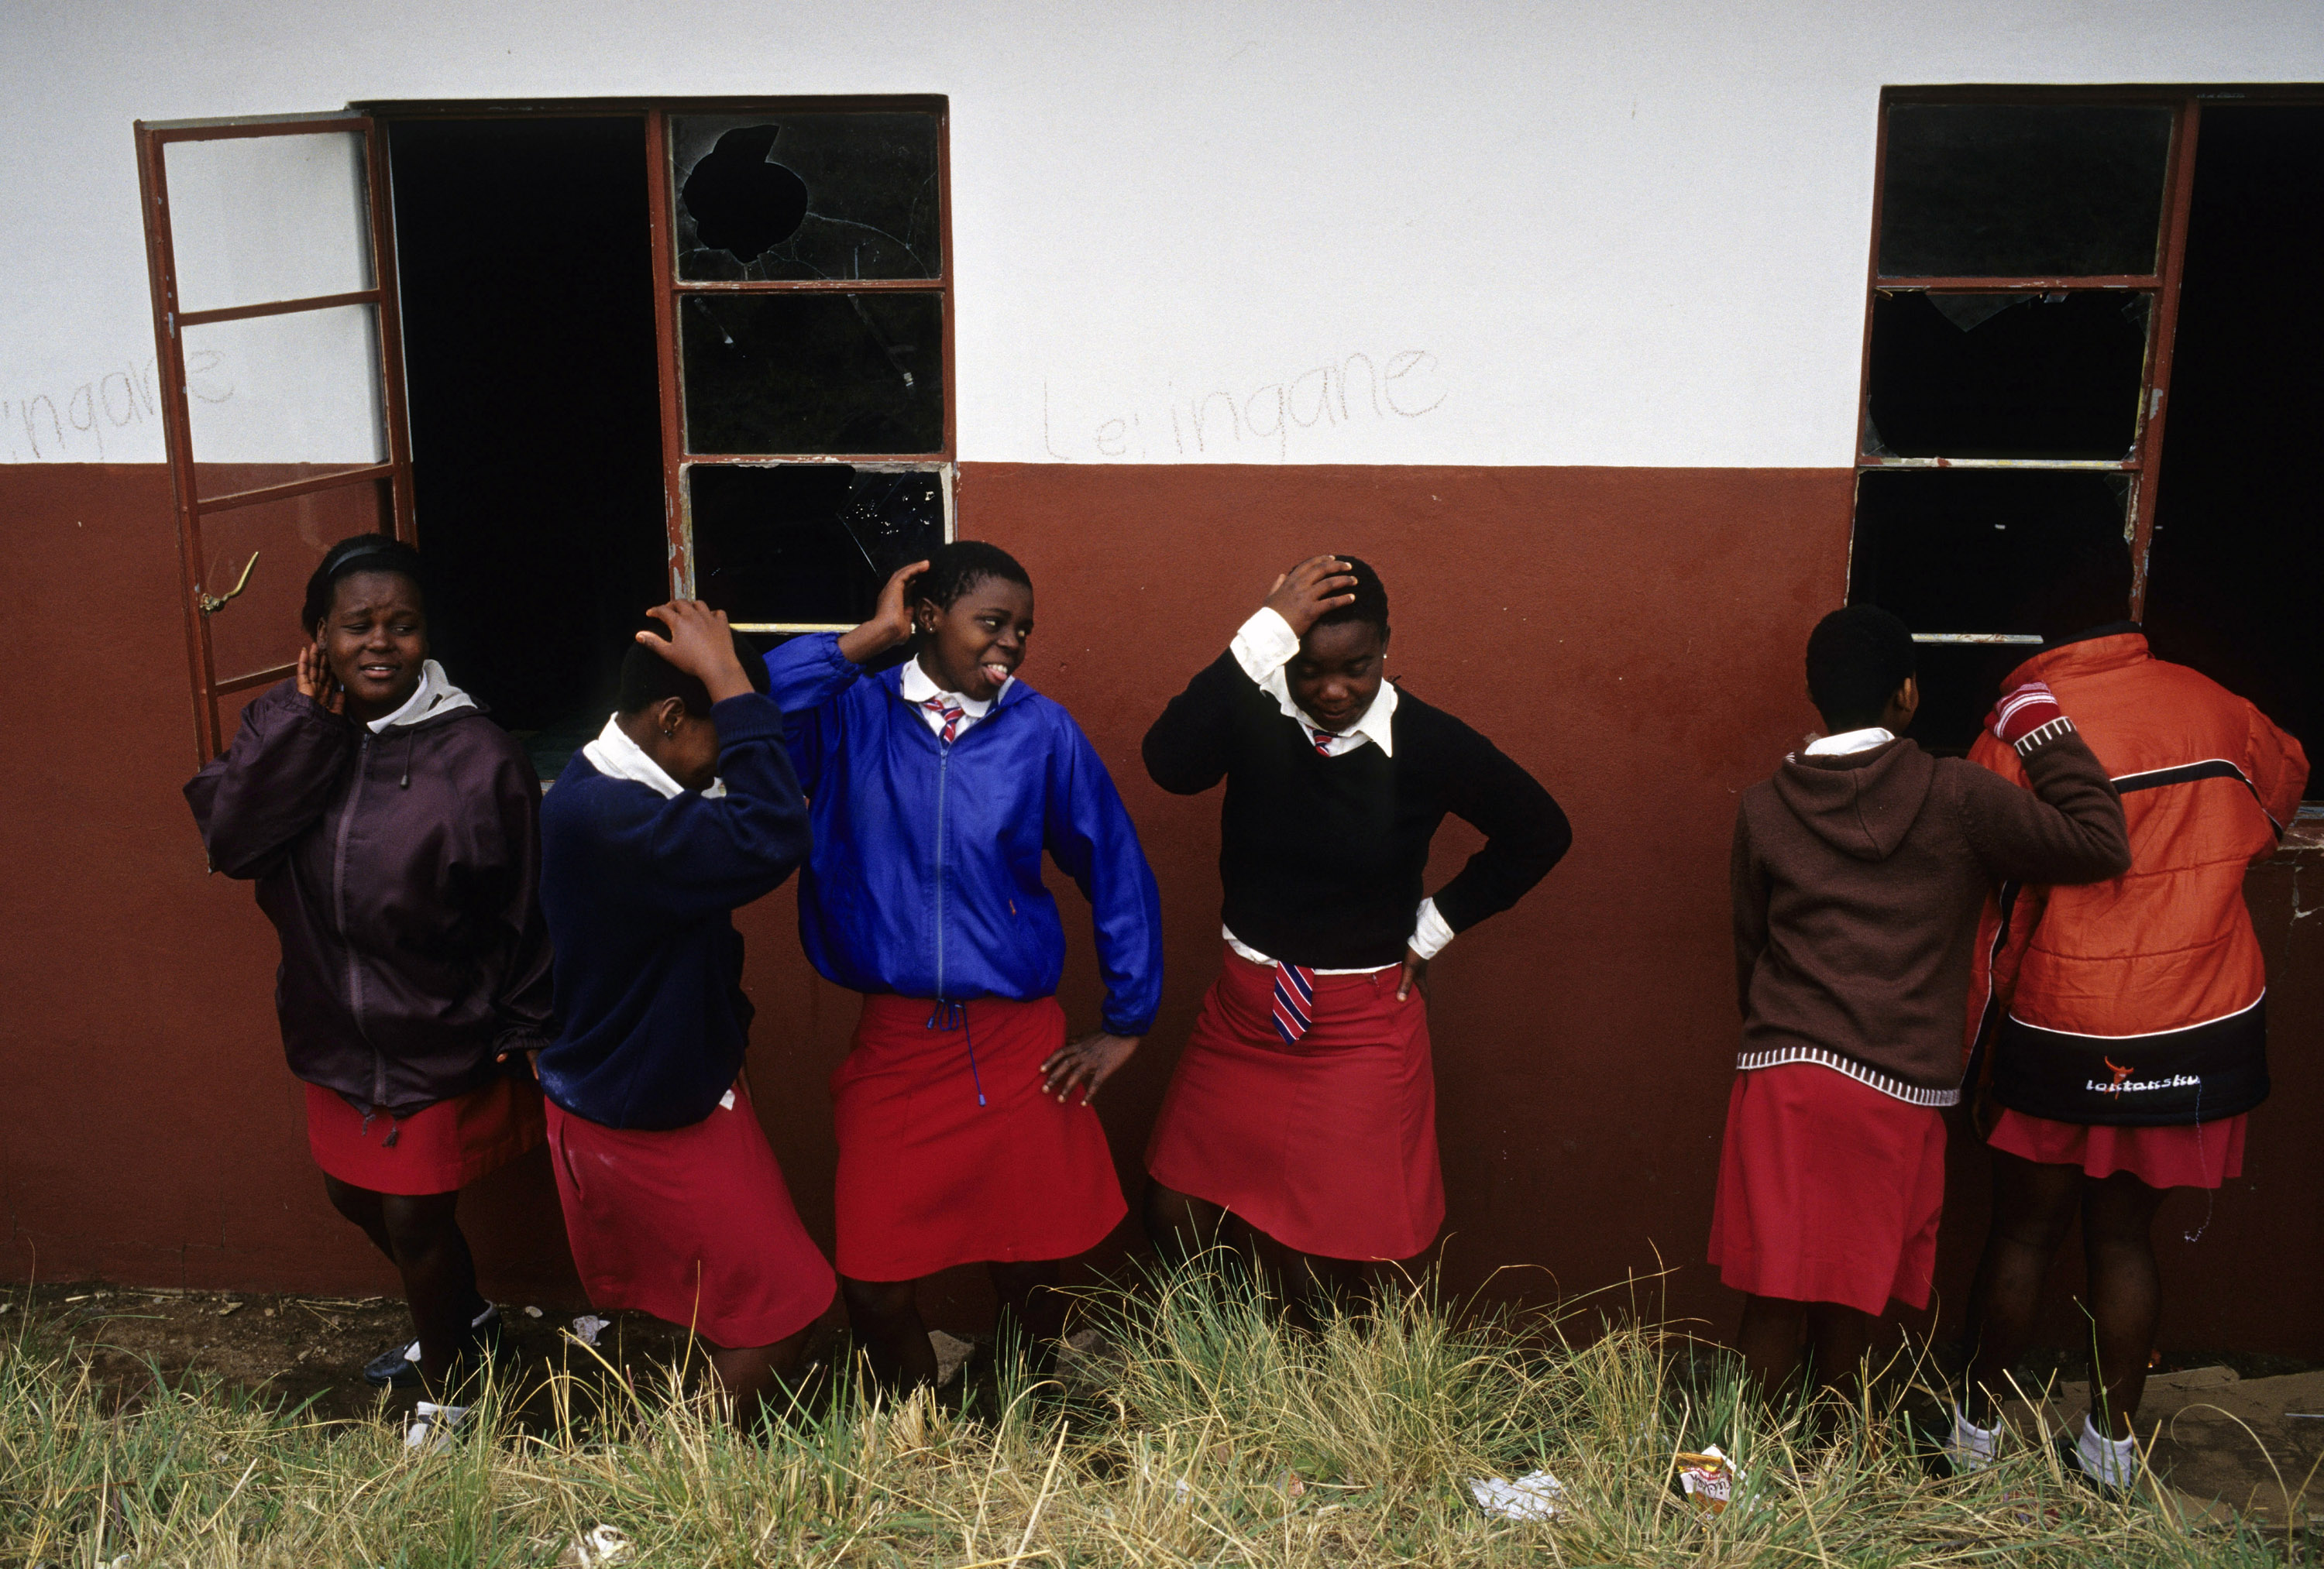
<point x="400" y="870"/>
<point x="926" y="876"/>
<point x="1858" y="879"/>
<point x="2142" y="1000"/>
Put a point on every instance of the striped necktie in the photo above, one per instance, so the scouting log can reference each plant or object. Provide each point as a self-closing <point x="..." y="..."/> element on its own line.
<point x="1295" y="1001"/>
<point x="952" y="717"/>
<point x="1323" y="739"/>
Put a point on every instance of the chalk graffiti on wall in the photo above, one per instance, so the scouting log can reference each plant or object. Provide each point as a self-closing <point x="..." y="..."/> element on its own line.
<point x="1230" y="425"/>
<point x="122" y="407"/>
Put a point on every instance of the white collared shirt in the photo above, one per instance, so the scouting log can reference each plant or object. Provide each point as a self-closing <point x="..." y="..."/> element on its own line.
<point x="435" y="694"/>
<point x="1263" y="647"/>
<point x="616" y="756"/>
<point x="1847" y="741"/>
<point x="920" y="686"/>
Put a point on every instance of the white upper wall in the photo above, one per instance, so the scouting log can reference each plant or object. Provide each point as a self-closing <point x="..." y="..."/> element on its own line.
<point x="1560" y="233"/>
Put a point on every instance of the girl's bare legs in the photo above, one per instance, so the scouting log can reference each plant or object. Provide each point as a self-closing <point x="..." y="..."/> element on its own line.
<point x="421" y="1236"/>
<point x="886" y="1317"/>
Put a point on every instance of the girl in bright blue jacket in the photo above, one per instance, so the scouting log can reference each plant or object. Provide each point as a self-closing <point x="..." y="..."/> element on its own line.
<point x="934" y="789"/>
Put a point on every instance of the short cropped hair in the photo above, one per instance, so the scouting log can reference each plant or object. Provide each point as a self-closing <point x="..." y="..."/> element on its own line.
<point x="647" y="678"/>
<point x="1857" y="660"/>
<point x="358" y="553"/>
<point x="955" y="568"/>
<point x="1370" y="602"/>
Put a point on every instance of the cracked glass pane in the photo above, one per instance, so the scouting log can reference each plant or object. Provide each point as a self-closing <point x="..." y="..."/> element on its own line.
<point x="807" y="542"/>
<point x="842" y="374"/>
<point x="2007" y="375"/>
<point x="2022" y="190"/>
<point x="814" y="195"/>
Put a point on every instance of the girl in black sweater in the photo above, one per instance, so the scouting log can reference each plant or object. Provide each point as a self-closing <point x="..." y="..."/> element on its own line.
<point x="1305" y="1103"/>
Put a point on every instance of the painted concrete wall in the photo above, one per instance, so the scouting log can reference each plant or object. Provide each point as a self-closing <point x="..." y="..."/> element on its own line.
<point x="1620" y="234"/>
<point x="1618" y="258"/>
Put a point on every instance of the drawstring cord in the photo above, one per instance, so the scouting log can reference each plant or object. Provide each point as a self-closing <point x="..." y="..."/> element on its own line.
<point x="394" y="1128"/>
<point x="406" y="782"/>
<point x="950" y="1016"/>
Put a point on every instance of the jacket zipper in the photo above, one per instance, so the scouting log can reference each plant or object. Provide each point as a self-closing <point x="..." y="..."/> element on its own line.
<point x="339" y="903"/>
<point x="943" y="763"/>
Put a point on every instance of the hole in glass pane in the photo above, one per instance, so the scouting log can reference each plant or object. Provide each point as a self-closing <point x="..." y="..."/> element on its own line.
<point x="845" y="373"/>
<point x="817" y="196"/>
<point x="273" y="398"/>
<point x="1996" y="190"/>
<point x="259" y="627"/>
<point x="260" y="218"/>
<point x="2007" y="375"/>
<point x="807" y="542"/>
<point x="1975" y="550"/>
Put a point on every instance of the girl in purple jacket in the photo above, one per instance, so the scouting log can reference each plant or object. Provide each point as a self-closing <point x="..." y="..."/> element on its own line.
<point x="394" y="833"/>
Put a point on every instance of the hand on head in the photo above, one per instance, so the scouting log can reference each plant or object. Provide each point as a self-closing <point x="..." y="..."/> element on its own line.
<point x="701" y="644"/>
<point x="890" y="625"/>
<point x="1317" y="585"/>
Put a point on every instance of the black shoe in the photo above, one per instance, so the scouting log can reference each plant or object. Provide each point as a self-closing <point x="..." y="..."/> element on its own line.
<point x="398" y="1367"/>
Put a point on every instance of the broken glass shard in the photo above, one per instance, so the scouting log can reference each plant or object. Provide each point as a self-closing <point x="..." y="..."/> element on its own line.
<point x="2022" y="190"/>
<point x="828" y="196"/>
<point x="850" y="374"/>
<point x="807" y="544"/>
<point x="2007" y="375"/>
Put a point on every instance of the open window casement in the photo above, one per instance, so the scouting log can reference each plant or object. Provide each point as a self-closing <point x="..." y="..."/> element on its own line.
<point x="271" y="256"/>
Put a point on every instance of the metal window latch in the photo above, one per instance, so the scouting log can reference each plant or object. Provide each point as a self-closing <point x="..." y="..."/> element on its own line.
<point x="211" y="604"/>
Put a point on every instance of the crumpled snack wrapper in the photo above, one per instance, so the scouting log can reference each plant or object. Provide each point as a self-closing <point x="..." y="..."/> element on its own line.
<point x="1535" y="1496"/>
<point x="1708" y="1480"/>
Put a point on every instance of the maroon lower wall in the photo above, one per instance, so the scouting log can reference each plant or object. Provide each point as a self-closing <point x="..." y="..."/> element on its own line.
<point x="1631" y="635"/>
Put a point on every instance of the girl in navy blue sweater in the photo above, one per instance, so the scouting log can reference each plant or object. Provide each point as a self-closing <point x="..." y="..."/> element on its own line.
<point x="935" y="788"/>
<point x="683" y="810"/>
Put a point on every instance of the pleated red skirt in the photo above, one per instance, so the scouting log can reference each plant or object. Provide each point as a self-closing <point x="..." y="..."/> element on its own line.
<point x="1828" y="1190"/>
<point x="440" y="1149"/>
<point x="950" y="1153"/>
<point x="693" y="1224"/>
<point x="2195" y="1155"/>
<point x="1328" y="1146"/>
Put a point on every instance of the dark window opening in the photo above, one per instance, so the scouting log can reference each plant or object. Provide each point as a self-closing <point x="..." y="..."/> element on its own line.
<point x="1969" y="550"/>
<point x="841" y="373"/>
<point x="804" y="542"/>
<point x="2236" y="573"/>
<point x="2007" y="375"/>
<point x="527" y="276"/>
<point x="1994" y="190"/>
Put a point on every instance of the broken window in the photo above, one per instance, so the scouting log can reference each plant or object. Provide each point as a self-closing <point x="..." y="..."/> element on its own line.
<point x="2035" y="270"/>
<point x="765" y="359"/>
<point x="806" y="331"/>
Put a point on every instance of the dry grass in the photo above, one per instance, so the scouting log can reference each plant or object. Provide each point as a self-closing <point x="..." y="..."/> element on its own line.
<point x="1219" y="1437"/>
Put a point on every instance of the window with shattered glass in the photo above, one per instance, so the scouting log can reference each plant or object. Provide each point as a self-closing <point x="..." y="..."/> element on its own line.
<point x="2023" y="254"/>
<point x="807" y="336"/>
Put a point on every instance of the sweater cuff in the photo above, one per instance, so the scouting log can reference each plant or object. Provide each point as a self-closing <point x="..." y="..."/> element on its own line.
<point x="1430" y="932"/>
<point x="2034" y="740"/>
<point x="1264" y="644"/>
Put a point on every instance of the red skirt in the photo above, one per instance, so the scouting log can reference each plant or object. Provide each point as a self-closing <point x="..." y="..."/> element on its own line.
<point x="929" y="1178"/>
<point x="440" y="1149"/>
<point x="2194" y="1155"/>
<point x="693" y="1224"/>
<point x="1828" y="1190"/>
<point x="1328" y="1146"/>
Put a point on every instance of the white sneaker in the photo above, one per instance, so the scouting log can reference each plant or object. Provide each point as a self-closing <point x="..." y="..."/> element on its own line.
<point x="1970" y="1447"/>
<point x="431" y="1427"/>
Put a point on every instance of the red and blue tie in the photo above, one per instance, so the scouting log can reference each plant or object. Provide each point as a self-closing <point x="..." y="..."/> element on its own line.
<point x="1295" y="1001"/>
<point x="1323" y="739"/>
<point x="952" y="717"/>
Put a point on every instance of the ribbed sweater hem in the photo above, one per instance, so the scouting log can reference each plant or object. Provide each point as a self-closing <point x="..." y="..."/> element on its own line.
<point x="1895" y="1089"/>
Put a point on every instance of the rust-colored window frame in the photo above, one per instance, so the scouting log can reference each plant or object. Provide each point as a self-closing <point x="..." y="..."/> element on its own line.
<point x="2143" y="464"/>
<point x="169" y="322"/>
<point x="670" y="297"/>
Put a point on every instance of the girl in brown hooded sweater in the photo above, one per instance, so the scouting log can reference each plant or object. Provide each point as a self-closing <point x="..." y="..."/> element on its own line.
<point x="1860" y="870"/>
